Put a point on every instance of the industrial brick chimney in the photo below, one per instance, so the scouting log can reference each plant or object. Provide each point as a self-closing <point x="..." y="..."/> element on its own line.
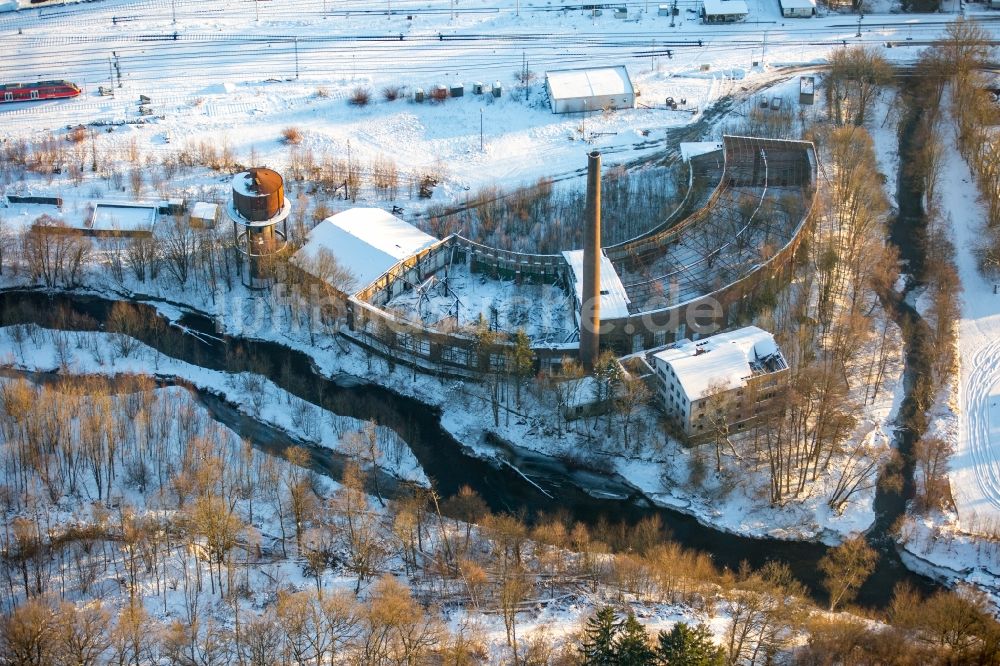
<point x="590" y="306"/>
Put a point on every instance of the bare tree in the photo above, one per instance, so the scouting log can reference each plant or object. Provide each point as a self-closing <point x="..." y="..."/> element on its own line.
<point x="178" y="243"/>
<point x="846" y="568"/>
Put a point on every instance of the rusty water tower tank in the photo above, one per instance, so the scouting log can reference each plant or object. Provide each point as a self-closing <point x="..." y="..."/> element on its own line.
<point x="259" y="213"/>
<point x="258" y="194"/>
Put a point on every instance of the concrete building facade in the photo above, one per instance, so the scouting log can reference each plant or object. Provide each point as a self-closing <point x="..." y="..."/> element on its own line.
<point x="728" y="379"/>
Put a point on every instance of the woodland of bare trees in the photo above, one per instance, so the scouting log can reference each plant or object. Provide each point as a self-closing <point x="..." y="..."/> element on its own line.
<point x="196" y="547"/>
<point x="188" y="549"/>
<point x="958" y="59"/>
<point x="834" y="333"/>
<point x="543" y="218"/>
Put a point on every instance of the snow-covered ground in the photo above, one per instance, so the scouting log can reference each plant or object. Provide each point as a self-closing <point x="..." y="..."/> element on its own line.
<point x="236" y="76"/>
<point x="975" y="465"/>
<point x="461" y="298"/>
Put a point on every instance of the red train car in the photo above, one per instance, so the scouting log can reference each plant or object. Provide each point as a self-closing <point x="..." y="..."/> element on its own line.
<point x="29" y="92"/>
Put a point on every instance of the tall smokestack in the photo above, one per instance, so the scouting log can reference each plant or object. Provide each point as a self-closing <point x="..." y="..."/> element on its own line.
<point x="590" y="308"/>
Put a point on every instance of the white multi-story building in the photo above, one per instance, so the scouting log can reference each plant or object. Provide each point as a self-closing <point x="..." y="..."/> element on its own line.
<point x="730" y="378"/>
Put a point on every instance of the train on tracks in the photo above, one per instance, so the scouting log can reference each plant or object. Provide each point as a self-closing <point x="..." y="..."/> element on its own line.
<point x="30" y="92"/>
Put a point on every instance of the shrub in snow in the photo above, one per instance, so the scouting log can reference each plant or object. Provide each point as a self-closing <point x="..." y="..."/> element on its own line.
<point x="392" y="93"/>
<point x="292" y="135"/>
<point x="360" y="96"/>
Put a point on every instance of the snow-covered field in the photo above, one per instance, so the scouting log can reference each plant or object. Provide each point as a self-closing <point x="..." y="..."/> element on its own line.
<point x="975" y="465"/>
<point x="235" y="76"/>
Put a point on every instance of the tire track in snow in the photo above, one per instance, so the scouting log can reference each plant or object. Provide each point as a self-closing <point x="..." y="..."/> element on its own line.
<point x="983" y="377"/>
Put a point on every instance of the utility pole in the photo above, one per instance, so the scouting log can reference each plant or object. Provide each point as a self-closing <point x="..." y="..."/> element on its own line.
<point x="173" y="10"/>
<point x="256" y="8"/>
<point x="296" y="58"/>
<point x="860" y="16"/>
<point x="111" y="76"/>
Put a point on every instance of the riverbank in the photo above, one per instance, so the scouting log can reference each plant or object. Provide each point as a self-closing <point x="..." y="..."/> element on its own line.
<point x="960" y="545"/>
<point x="503" y="488"/>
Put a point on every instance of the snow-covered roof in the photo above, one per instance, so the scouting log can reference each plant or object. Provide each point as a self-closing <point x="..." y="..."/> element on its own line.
<point x="718" y="361"/>
<point x="614" y="300"/>
<point x="365" y="241"/>
<point x="725" y="7"/>
<point x="202" y="210"/>
<point x="577" y="83"/>
<point x="258" y="181"/>
<point x="122" y="217"/>
<point x="798" y="4"/>
<point x="691" y="149"/>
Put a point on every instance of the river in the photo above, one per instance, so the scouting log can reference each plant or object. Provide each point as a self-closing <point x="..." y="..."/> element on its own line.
<point x="444" y="459"/>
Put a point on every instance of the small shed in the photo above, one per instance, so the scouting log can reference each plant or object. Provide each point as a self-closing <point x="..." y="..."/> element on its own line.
<point x="797" y="8"/>
<point x="589" y="89"/>
<point x="204" y="214"/>
<point x="807" y="89"/>
<point x="723" y="11"/>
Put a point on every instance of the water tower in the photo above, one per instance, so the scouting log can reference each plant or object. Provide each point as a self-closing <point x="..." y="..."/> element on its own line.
<point x="257" y="208"/>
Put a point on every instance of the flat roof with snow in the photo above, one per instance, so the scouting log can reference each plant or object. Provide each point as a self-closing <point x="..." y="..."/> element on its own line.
<point x="122" y="217"/>
<point x="614" y="300"/>
<point x="725" y="8"/>
<point x="797" y="4"/>
<point x="723" y="361"/>
<point x="691" y="149"/>
<point x="579" y="83"/>
<point x="202" y="210"/>
<point x="365" y="241"/>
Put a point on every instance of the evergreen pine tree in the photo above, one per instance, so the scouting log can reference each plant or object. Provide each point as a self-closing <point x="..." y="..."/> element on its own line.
<point x="685" y="646"/>
<point x="632" y="645"/>
<point x="522" y="361"/>
<point x="599" y="638"/>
